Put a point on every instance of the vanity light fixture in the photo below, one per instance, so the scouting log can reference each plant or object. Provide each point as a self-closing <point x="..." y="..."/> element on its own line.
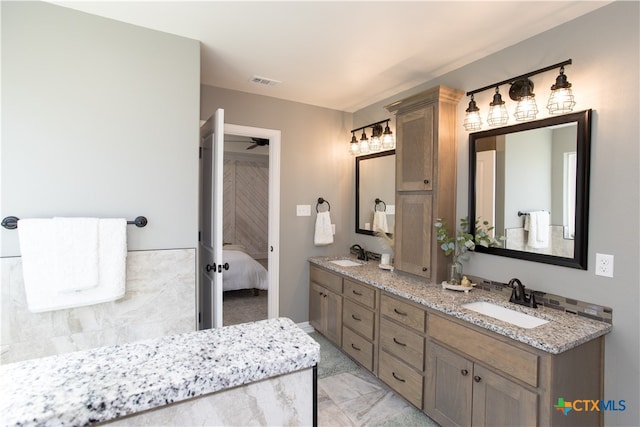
<point x="472" y="120"/>
<point x="380" y="140"/>
<point x="498" y="115"/>
<point x="561" y="99"/>
<point x="521" y="90"/>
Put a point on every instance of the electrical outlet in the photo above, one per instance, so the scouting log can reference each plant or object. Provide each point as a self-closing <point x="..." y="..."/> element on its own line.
<point x="604" y="265"/>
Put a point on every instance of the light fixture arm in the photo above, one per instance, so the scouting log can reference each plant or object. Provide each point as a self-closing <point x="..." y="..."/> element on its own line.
<point x="522" y="77"/>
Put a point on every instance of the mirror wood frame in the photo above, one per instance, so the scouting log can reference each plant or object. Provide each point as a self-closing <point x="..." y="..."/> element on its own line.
<point x="358" y="160"/>
<point x="583" y="153"/>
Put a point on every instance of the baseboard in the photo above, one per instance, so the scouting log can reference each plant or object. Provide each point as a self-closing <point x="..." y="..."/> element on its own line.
<point x="305" y="326"/>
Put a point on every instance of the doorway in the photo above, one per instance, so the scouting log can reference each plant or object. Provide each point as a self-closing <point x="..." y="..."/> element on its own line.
<point x="210" y="288"/>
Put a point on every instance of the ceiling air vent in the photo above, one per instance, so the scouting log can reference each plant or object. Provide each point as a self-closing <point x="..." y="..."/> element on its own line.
<point x="264" y="81"/>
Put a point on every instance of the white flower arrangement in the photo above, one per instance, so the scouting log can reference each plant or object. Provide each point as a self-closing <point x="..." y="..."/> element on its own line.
<point x="458" y="244"/>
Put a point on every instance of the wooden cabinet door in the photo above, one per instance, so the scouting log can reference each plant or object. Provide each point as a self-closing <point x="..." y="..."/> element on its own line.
<point x="333" y="317"/>
<point x="414" y="151"/>
<point x="414" y="223"/>
<point x="498" y="401"/>
<point x="315" y="307"/>
<point x="449" y="386"/>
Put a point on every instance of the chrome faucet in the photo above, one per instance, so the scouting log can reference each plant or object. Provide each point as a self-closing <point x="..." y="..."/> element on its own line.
<point x="519" y="295"/>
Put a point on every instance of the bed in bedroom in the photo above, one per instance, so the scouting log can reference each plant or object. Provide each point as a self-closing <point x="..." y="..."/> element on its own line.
<point x="244" y="272"/>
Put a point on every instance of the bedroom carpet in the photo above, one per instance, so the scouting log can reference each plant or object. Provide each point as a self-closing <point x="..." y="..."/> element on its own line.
<point x="349" y="395"/>
<point x="242" y="306"/>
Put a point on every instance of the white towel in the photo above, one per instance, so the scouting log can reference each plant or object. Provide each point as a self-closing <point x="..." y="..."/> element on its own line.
<point x="538" y="227"/>
<point x="75" y="254"/>
<point x="38" y="248"/>
<point x="380" y="222"/>
<point x="324" y="230"/>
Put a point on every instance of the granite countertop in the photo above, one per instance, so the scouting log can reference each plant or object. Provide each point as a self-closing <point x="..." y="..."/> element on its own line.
<point x="563" y="332"/>
<point x="101" y="384"/>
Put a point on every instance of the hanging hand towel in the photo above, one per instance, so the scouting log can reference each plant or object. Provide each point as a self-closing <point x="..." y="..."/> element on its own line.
<point x="380" y="222"/>
<point x="538" y="230"/>
<point x="45" y="291"/>
<point x="324" y="230"/>
<point x="75" y="254"/>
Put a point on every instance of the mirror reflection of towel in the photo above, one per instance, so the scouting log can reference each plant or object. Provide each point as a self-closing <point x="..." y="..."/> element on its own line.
<point x="538" y="226"/>
<point x="380" y="222"/>
<point x="324" y="230"/>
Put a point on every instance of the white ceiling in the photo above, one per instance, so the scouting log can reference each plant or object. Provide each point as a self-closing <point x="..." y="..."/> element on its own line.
<point x="342" y="55"/>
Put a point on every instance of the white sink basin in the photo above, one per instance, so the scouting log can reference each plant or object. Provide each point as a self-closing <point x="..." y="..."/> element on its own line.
<point x="346" y="263"/>
<point x="517" y="318"/>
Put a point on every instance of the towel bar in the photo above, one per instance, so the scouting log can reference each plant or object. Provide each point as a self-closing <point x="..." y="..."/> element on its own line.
<point x="520" y="213"/>
<point x="11" y="222"/>
<point x="321" y="201"/>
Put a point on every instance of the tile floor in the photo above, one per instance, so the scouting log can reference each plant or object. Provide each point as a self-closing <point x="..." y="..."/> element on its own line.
<point x="349" y="395"/>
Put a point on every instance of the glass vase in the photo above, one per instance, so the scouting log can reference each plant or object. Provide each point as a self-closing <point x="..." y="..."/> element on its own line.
<point x="455" y="271"/>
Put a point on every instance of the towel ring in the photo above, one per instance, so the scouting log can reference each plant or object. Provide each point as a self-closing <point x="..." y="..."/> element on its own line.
<point x="322" y="201"/>
<point x="378" y="201"/>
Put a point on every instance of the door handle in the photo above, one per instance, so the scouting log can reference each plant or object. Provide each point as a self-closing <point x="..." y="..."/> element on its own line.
<point x="211" y="267"/>
<point x="225" y="266"/>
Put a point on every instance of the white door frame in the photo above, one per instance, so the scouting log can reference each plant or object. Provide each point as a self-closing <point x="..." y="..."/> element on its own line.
<point x="273" y="299"/>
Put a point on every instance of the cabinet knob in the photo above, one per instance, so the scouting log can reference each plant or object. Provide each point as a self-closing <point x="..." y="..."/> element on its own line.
<point x="424" y="269"/>
<point x="426" y="181"/>
<point x="477" y="379"/>
<point x="464" y="372"/>
<point x="398" y="378"/>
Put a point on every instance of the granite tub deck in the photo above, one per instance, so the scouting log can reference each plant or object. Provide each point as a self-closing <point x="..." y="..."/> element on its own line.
<point x="563" y="332"/>
<point x="104" y="384"/>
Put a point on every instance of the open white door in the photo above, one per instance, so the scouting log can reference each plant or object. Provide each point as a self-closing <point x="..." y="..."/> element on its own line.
<point x="210" y="246"/>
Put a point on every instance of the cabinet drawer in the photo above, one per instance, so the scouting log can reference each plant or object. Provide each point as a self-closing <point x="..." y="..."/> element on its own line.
<point x="326" y="279"/>
<point x="358" y="318"/>
<point x="401" y="378"/>
<point x="360" y="292"/>
<point x="402" y="343"/>
<point x="403" y="312"/>
<point x="490" y="351"/>
<point x="358" y="348"/>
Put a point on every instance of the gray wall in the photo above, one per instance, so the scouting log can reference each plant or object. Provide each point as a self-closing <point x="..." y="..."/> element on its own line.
<point x="314" y="163"/>
<point x="99" y="118"/>
<point x="611" y="50"/>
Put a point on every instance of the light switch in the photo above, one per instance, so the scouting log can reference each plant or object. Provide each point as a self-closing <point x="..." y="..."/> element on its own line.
<point x="391" y="209"/>
<point x="303" y="210"/>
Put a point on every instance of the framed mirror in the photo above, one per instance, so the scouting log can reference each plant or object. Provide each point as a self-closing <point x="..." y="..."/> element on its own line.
<point x="531" y="181"/>
<point x="375" y="192"/>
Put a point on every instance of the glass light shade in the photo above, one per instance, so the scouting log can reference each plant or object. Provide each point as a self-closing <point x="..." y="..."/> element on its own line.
<point x="375" y="144"/>
<point x="561" y="101"/>
<point x="354" y="148"/>
<point x="526" y="109"/>
<point x="388" y="141"/>
<point x="498" y="115"/>
<point x="364" y="143"/>
<point x="472" y="121"/>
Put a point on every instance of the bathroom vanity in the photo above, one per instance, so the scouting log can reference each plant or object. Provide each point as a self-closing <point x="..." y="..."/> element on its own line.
<point x="255" y="373"/>
<point x="459" y="366"/>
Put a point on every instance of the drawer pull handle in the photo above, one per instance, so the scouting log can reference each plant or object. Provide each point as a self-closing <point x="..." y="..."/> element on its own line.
<point x="464" y="372"/>
<point x="356" y="292"/>
<point x="354" y="347"/>
<point x="398" y="342"/>
<point x="477" y="379"/>
<point x="397" y="377"/>
<point x="353" y="316"/>
<point x="399" y="312"/>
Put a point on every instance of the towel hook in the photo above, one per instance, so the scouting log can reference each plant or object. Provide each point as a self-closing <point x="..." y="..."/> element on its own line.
<point x="378" y="201"/>
<point x="322" y="201"/>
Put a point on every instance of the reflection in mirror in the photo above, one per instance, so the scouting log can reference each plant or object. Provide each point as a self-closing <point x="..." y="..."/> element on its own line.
<point x="375" y="181"/>
<point x="531" y="181"/>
